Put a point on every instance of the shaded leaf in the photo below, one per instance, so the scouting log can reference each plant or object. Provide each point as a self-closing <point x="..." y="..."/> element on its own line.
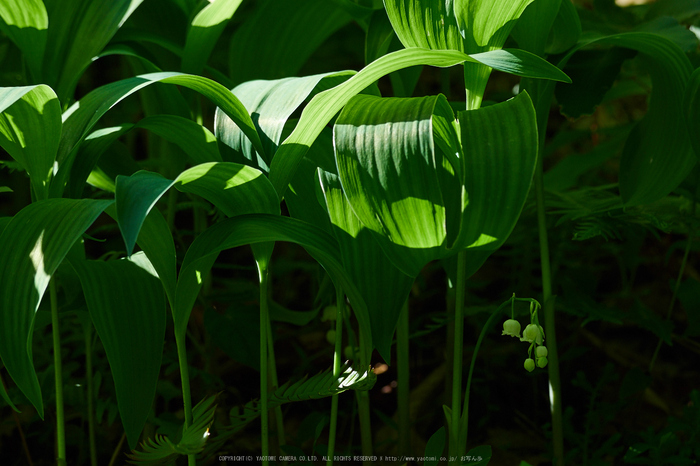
<point x="204" y="31"/>
<point x="692" y="110"/>
<point x="26" y="22"/>
<point x="127" y="306"/>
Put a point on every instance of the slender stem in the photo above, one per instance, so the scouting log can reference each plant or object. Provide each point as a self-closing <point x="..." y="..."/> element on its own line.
<point x="403" y="388"/>
<point x="90" y="394"/>
<point x="340" y="305"/>
<point x="58" y="372"/>
<point x="279" y="420"/>
<point x="365" y="425"/>
<point x="180" y="341"/>
<point x="264" y="318"/>
<point x="455" y="448"/>
<point x="115" y="454"/>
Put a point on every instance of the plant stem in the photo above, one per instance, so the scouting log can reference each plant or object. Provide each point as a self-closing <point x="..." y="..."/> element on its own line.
<point x="90" y="394"/>
<point x="58" y="372"/>
<point x="115" y="454"/>
<point x="365" y="426"/>
<point x="264" y="318"/>
<point x="455" y="448"/>
<point x="180" y="341"/>
<point x="541" y="94"/>
<point x="340" y="305"/>
<point x="274" y="382"/>
<point x="403" y="388"/>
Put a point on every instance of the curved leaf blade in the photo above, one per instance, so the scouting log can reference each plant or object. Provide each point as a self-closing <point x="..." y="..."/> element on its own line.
<point x="41" y="235"/>
<point x="485" y="24"/>
<point x="26" y="22"/>
<point x="204" y="31"/>
<point x="692" y="110"/>
<point x="30" y="129"/>
<point x="429" y="24"/>
<point x="127" y="307"/>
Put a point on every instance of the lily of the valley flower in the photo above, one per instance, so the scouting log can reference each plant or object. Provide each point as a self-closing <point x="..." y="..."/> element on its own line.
<point x="529" y="364"/>
<point x="533" y="333"/>
<point x="511" y="327"/>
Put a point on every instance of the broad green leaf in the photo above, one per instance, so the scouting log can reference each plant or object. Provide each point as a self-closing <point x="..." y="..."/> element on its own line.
<point x="486" y="24"/>
<point x="156" y="240"/>
<point x="270" y="104"/>
<point x="300" y="27"/>
<point x="41" y="235"/>
<point x="384" y="288"/>
<point x="565" y="31"/>
<point x="127" y="306"/>
<point x="204" y="31"/>
<point x="692" y="110"/>
<point x="236" y="331"/>
<point x="429" y="24"/>
<point x="30" y="128"/>
<point x="400" y="187"/>
<point x="435" y="447"/>
<point x="260" y="228"/>
<point x="325" y="105"/>
<point x="78" y="31"/>
<point x="499" y="143"/>
<point x="194" y="139"/>
<point x="535" y="24"/>
<point x="163" y="451"/>
<point x="233" y="188"/>
<point x="83" y="115"/>
<point x="681" y="10"/>
<point x="26" y="22"/>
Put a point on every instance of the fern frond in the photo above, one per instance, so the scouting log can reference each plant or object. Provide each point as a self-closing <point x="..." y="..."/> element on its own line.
<point x="162" y="451"/>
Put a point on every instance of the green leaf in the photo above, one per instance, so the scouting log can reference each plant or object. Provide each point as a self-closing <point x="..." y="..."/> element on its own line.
<point x="324" y="106"/>
<point x="271" y="103"/>
<point x="692" y="110"/>
<point x="30" y="128"/>
<point x="81" y="117"/>
<point x="41" y="235"/>
<point x="300" y="27"/>
<point x="163" y="451"/>
<point x="433" y="203"/>
<point x="658" y="153"/>
<point x="435" y="447"/>
<point x="127" y="306"/>
<point x="479" y="456"/>
<point x="26" y="22"/>
<point x="78" y="31"/>
<point x="259" y="228"/>
<point x="535" y="25"/>
<point x="233" y="188"/>
<point x="486" y="24"/>
<point x="429" y="24"/>
<point x="204" y="31"/>
<point x="384" y="287"/>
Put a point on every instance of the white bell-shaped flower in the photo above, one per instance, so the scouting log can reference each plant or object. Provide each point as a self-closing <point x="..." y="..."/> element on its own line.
<point x="533" y="333"/>
<point x="511" y="327"/>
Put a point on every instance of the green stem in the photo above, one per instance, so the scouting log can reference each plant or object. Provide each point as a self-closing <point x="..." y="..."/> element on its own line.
<point x="90" y="394"/>
<point x="58" y="372"/>
<point x="541" y="94"/>
<point x="456" y="449"/>
<point x="180" y="341"/>
<point x="264" y="318"/>
<point x="274" y="381"/>
<point x="340" y="305"/>
<point x="403" y="388"/>
<point x="365" y="425"/>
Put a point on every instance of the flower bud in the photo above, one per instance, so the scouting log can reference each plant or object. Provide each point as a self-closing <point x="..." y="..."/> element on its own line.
<point x="329" y="313"/>
<point x="330" y="336"/>
<point x="533" y="333"/>
<point x="511" y="327"/>
<point x="541" y="362"/>
<point x="349" y="353"/>
<point x="529" y="364"/>
<point x="541" y="352"/>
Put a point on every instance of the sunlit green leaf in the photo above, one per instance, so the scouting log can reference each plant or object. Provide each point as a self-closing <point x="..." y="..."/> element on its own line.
<point x="324" y="106"/>
<point x="204" y="31"/>
<point x="384" y="287"/>
<point x="83" y="115"/>
<point x="30" y="128"/>
<point x="429" y="24"/>
<point x="41" y="235"/>
<point x="127" y="307"/>
<point x="26" y="23"/>
<point x="485" y="24"/>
